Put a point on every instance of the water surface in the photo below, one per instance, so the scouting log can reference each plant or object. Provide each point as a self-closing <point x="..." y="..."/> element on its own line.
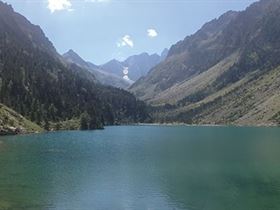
<point x="142" y="168"/>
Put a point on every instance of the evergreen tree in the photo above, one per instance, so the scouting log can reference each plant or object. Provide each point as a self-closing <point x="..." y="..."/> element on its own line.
<point x="47" y="125"/>
<point x="84" y="121"/>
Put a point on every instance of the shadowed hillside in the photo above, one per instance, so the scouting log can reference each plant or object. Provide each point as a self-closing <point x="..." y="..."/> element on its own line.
<point x="226" y="73"/>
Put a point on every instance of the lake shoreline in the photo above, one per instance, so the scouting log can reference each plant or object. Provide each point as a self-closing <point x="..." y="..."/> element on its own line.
<point x="146" y="124"/>
<point x="205" y="125"/>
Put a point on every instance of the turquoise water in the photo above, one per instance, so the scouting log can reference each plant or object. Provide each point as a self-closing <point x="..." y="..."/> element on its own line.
<point x="144" y="167"/>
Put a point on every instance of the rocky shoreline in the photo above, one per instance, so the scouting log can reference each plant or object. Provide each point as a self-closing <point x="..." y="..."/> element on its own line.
<point x="9" y="130"/>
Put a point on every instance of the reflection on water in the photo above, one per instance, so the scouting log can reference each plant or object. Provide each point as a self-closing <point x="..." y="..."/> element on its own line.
<point x="142" y="168"/>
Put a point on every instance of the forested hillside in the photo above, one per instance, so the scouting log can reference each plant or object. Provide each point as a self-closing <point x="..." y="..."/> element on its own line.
<point x="36" y="82"/>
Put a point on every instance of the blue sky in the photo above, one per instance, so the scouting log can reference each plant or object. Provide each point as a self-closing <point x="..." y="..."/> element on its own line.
<point x="100" y="30"/>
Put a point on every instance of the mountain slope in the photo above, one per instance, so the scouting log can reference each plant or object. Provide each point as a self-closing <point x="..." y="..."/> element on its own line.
<point x="250" y="101"/>
<point x="36" y="82"/>
<point x="73" y="57"/>
<point x="113" y="67"/>
<point x="164" y="54"/>
<point x="102" y="76"/>
<point x="221" y="67"/>
<point x="187" y="58"/>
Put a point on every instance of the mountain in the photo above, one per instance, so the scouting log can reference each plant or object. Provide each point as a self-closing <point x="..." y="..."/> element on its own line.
<point x="186" y="58"/>
<point x="226" y="73"/>
<point x="102" y="76"/>
<point x="139" y="65"/>
<point x="36" y="81"/>
<point x="73" y="57"/>
<point x="113" y="67"/>
<point x="135" y="66"/>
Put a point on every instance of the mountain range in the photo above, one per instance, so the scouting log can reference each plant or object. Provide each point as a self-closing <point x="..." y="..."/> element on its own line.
<point x="136" y="66"/>
<point x="120" y="74"/>
<point x="43" y="87"/>
<point x="225" y="73"/>
<point x="102" y="76"/>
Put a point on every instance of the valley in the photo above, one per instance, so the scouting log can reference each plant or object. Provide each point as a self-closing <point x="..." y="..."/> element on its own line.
<point x="226" y="73"/>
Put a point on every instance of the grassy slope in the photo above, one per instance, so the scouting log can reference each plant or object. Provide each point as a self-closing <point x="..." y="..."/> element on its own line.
<point x="194" y="84"/>
<point x="254" y="100"/>
<point x="9" y="120"/>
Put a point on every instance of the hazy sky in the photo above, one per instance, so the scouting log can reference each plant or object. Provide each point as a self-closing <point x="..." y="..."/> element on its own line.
<point x="100" y="30"/>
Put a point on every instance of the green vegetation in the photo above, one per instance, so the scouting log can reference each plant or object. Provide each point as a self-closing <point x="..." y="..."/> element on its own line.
<point x="12" y="122"/>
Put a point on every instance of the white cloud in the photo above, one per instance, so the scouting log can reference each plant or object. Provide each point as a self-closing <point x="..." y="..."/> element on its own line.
<point x="56" y="5"/>
<point x="125" y="41"/>
<point x="152" y="33"/>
